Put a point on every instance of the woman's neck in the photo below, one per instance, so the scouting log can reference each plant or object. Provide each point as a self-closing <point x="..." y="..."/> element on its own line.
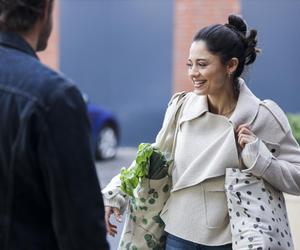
<point x="223" y="103"/>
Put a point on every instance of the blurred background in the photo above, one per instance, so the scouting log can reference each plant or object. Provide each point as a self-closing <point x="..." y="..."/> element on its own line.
<point x="129" y="56"/>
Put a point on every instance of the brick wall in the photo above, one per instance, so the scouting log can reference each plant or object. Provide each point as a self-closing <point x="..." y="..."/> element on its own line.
<point x="51" y="55"/>
<point x="189" y="17"/>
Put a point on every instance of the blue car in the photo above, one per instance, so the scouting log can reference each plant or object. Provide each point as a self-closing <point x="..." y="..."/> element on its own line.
<point x="105" y="131"/>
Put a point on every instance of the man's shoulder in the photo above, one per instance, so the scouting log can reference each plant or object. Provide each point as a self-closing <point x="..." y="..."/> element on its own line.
<point x="42" y="76"/>
<point x="51" y="79"/>
<point x="52" y="85"/>
<point x="27" y="77"/>
<point x="38" y="81"/>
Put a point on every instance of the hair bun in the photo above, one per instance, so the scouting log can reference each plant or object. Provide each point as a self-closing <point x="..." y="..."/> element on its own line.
<point x="238" y="23"/>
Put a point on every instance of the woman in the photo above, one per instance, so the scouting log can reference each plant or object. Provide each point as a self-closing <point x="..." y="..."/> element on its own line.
<point x="222" y="125"/>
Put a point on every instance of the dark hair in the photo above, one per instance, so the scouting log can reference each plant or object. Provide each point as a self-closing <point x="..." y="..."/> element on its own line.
<point x="20" y="15"/>
<point x="231" y="40"/>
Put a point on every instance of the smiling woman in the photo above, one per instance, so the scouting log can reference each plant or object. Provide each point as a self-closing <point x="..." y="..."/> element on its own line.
<point x="222" y="125"/>
<point x="210" y="75"/>
<point x="217" y="58"/>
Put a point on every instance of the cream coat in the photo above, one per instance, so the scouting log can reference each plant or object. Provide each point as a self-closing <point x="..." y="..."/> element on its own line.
<point x="197" y="209"/>
<point x="198" y="184"/>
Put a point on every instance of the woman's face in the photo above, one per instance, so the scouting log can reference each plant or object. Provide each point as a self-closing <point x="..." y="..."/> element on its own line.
<point x="206" y="71"/>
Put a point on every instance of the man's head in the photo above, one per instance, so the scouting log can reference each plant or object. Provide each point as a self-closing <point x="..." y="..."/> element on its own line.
<point x="24" y="16"/>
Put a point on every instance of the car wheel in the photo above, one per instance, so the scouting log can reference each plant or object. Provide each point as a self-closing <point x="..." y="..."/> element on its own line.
<point x="107" y="143"/>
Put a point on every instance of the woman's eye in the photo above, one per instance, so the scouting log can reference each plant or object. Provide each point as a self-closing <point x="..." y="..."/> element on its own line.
<point x="202" y="65"/>
<point x="189" y="65"/>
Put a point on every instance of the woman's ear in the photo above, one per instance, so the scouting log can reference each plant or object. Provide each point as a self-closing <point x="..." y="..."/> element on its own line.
<point x="232" y="65"/>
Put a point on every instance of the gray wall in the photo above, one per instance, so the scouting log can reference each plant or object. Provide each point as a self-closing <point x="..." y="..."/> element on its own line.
<point x="119" y="52"/>
<point x="275" y="74"/>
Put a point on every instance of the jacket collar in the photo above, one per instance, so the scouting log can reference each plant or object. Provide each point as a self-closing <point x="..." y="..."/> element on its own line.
<point x="247" y="106"/>
<point x="245" y="111"/>
<point x="194" y="107"/>
<point x="13" y="40"/>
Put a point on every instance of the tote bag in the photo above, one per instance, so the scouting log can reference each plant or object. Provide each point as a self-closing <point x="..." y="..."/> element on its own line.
<point x="257" y="212"/>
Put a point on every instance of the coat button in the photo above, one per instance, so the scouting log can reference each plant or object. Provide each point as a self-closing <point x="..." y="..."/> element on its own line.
<point x="273" y="150"/>
<point x="110" y="192"/>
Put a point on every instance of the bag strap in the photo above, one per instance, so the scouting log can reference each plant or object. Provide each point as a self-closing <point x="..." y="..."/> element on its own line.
<point x="179" y="110"/>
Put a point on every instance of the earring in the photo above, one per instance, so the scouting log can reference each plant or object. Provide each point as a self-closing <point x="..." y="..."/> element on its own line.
<point x="229" y="74"/>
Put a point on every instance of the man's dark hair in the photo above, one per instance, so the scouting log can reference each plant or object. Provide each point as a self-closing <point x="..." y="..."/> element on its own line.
<point x="20" y="15"/>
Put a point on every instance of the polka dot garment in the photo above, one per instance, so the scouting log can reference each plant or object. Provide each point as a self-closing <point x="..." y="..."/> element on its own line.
<point x="257" y="213"/>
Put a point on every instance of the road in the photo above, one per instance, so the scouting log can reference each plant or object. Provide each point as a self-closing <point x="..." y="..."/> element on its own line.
<point x="106" y="170"/>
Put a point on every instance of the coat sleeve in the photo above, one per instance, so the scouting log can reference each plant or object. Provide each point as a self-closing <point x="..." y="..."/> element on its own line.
<point x="279" y="163"/>
<point x="113" y="196"/>
<point x="67" y="165"/>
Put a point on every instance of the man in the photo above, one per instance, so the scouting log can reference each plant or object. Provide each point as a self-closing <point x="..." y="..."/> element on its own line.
<point x="49" y="193"/>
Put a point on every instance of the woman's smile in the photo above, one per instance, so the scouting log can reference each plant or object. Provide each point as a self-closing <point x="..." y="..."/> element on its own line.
<point x="199" y="83"/>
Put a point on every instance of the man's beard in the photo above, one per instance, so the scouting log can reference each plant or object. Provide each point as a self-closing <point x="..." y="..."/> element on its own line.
<point x="44" y="35"/>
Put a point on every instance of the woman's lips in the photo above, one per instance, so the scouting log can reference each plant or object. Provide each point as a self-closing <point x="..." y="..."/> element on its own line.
<point x="199" y="83"/>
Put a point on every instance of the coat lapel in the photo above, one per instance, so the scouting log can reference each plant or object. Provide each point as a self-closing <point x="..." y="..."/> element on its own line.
<point x="213" y="160"/>
<point x="247" y="106"/>
<point x="195" y="106"/>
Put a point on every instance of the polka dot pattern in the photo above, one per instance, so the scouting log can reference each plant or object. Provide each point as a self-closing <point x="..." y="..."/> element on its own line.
<point x="257" y="212"/>
<point x="143" y="228"/>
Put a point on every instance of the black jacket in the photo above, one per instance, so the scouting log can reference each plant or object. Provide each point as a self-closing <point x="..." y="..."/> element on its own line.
<point x="50" y="197"/>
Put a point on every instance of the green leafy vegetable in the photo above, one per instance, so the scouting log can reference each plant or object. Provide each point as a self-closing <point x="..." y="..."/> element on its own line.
<point x="149" y="162"/>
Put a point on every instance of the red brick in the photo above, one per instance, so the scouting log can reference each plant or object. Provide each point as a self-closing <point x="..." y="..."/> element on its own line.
<point x="189" y="17"/>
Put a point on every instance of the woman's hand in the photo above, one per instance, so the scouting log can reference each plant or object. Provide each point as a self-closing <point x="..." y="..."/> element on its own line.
<point x="244" y="135"/>
<point x="111" y="228"/>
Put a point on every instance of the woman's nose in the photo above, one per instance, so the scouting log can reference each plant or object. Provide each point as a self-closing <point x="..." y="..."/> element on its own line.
<point x="193" y="72"/>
